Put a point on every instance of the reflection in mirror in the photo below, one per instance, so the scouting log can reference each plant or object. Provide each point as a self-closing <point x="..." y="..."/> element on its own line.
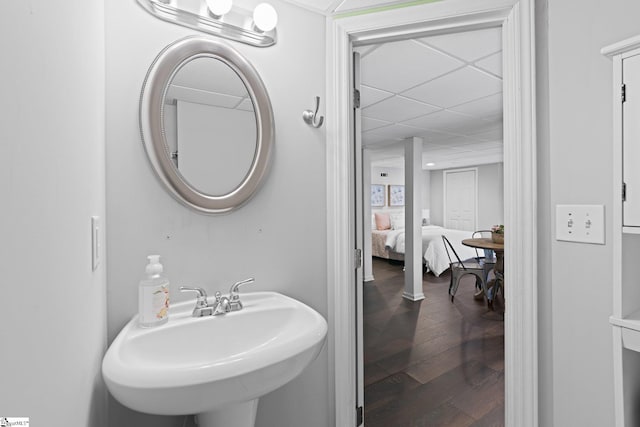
<point x="210" y="125"/>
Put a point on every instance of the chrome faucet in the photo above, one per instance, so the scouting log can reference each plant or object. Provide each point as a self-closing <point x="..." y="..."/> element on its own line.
<point x="222" y="305"/>
<point x="202" y="307"/>
<point x="234" y="297"/>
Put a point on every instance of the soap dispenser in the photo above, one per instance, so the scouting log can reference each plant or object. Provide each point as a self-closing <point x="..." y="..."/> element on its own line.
<point x="153" y="295"/>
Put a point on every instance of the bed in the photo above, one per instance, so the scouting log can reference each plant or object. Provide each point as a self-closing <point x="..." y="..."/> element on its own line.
<point x="434" y="253"/>
<point x="378" y="248"/>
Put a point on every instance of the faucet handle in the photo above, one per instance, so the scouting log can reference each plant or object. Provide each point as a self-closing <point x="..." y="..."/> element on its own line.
<point x="233" y="292"/>
<point x="202" y="295"/>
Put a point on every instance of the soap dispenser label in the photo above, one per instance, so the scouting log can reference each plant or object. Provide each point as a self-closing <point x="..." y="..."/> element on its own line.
<point x="160" y="302"/>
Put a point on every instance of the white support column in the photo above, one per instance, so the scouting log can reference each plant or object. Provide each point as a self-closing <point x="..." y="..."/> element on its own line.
<point x="366" y="211"/>
<point x="413" y="219"/>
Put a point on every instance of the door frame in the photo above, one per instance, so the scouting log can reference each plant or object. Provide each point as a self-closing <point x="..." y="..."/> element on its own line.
<point x="516" y="17"/>
<point x="444" y="194"/>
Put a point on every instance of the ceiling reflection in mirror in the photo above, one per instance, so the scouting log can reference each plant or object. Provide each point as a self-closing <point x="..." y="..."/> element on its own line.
<point x="210" y="125"/>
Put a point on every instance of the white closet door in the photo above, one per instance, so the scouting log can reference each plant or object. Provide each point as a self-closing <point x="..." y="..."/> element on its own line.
<point x="460" y="199"/>
<point x="631" y="140"/>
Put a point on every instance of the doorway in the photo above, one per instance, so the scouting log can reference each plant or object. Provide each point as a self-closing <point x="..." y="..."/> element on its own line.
<point x="516" y="19"/>
<point x="446" y="91"/>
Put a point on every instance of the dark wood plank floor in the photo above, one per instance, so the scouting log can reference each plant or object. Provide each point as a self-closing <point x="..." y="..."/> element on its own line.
<point x="432" y="362"/>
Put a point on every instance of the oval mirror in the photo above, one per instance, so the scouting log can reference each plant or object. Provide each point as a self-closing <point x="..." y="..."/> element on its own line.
<point x="206" y="124"/>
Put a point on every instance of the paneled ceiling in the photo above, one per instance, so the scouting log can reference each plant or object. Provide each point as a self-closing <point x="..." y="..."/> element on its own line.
<point x="445" y="89"/>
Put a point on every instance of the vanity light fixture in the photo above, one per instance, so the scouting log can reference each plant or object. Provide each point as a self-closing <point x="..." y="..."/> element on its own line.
<point x="219" y="18"/>
<point x="430" y="164"/>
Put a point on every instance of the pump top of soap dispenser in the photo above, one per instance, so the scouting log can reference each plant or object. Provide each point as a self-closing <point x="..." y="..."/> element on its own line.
<point x="154" y="267"/>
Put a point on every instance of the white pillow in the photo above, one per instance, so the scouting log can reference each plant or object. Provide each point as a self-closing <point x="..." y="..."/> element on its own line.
<point x="397" y="221"/>
<point x="373" y="221"/>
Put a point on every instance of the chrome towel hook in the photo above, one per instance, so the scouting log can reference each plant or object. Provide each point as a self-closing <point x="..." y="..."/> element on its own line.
<point x="311" y="117"/>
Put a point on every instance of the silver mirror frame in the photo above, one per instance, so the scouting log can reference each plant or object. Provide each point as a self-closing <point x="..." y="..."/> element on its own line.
<point x="154" y="89"/>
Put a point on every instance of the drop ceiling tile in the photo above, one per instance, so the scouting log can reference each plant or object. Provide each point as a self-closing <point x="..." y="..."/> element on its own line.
<point x="398" y="66"/>
<point x="482" y="107"/>
<point x="439" y="153"/>
<point x="469" y="45"/>
<point x="371" y="95"/>
<point x="493" y="134"/>
<point x="370" y="124"/>
<point x="397" y="109"/>
<point x="372" y="139"/>
<point x="388" y="151"/>
<point x="476" y="128"/>
<point x="492" y="64"/>
<point x="448" y="121"/>
<point x="462" y="141"/>
<point x="495" y="118"/>
<point x="486" y="146"/>
<point x="463" y="85"/>
<point x="397" y="132"/>
<point x="430" y="145"/>
<point x="433" y="137"/>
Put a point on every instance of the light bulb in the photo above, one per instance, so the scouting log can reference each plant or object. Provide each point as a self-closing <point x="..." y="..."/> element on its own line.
<point x="265" y="17"/>
<point x="219" y="7"/>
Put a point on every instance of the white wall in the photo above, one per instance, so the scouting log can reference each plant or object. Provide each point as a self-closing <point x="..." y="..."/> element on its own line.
<point x="52" y="306"/>
<point x="395" y="176"/>
<point x="278" y="237"/>
<point x="490" y="196"/>
<point x="579" y="141"/>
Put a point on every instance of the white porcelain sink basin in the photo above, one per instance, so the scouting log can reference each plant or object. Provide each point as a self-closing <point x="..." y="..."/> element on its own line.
<point x="207" y="365"/>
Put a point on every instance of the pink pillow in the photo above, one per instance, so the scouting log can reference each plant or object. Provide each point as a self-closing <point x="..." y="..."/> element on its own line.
<point x="383" y="222"/>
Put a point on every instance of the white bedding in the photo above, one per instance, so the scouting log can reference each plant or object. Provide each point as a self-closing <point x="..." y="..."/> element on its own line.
<point x="434" y="253"/>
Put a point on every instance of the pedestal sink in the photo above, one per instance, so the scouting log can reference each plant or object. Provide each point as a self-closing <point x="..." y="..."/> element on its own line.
<point x="215" y="366"/>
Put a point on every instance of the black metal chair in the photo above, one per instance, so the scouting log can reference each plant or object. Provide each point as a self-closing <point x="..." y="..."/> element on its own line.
<point x="461" y="268"/>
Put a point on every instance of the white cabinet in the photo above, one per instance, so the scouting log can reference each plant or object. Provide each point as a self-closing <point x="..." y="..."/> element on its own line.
<point x="630" y="99"/>
<point x="625" y="319"/>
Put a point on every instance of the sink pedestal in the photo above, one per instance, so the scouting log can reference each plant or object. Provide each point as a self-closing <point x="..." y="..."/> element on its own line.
<point x="237" y="415"/>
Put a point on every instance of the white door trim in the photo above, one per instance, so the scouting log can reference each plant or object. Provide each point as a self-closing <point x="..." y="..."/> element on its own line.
<point x="444" y="195"/>
<point x="521" y="355"/>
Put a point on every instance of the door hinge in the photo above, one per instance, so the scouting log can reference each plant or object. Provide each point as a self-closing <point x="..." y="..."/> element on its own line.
<point x="359" y="416"/>
<point x="358" y="258"/>
<point x="623" y="93"/>
<point x="624" y="191"/>
<point x="356" y="98"/>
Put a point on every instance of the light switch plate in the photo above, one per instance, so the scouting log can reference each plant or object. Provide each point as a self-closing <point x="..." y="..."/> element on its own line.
<point x="580" y="223"/>
<point x="95" y="242"/>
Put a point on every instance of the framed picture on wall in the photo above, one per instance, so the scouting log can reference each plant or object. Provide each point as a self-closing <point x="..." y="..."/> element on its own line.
<point x="377" y="195"/>
<point x="396" y="195"/>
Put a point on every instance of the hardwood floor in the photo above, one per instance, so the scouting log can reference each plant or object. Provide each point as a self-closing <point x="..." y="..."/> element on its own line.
<point x="432" y="362"/>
